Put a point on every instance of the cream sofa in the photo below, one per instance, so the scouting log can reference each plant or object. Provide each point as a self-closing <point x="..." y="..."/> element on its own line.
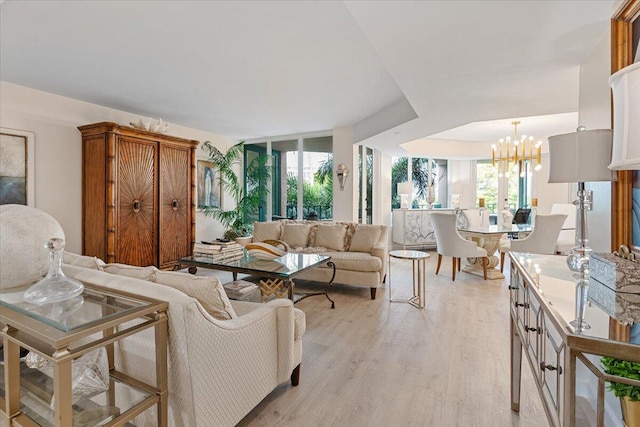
<point x="224" y="356"/>
<point x="359" y="251"/>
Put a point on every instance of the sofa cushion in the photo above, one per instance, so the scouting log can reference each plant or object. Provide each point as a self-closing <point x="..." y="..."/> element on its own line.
<point x="355" y="261"/>
<point x="206" y="289"/>
<point x="331" y="236"/>
<point x="143" y="273"/>
<point x="296" y="235"/>
<point x="90" y="262"/>
<point x="365" y="237"/>
<point x="266" y="231"/>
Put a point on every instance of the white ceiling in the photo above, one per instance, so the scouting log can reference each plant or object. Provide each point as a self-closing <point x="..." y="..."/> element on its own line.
<point x="397" y="71"/>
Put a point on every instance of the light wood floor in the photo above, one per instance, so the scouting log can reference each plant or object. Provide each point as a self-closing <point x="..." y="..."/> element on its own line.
<point x="376" y="363"/>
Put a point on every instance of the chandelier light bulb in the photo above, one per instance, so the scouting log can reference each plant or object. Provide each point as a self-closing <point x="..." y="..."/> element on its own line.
<point x="517" y="157"/>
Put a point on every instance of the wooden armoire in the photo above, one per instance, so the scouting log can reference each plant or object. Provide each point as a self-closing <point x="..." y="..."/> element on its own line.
<point x="138" y="188"/>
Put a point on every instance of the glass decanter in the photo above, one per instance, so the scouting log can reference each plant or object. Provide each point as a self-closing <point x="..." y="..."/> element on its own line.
<point x="55" y="286"/>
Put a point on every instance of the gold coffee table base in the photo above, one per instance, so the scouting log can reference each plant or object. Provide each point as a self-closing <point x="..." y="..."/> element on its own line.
<point x="273" y="287"/>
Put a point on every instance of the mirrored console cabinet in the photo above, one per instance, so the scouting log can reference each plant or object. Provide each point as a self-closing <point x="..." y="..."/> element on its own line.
<point x="563" y="326"/>
<point x="412" y="227"/>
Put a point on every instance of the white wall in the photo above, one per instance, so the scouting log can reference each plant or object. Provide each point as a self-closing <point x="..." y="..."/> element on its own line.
<point x="345" y="203"/>
<point x="595" y="113"/>
<point x="58" y="151"/>
<point x="382" y="211"/>
<point x="463" y="172"/>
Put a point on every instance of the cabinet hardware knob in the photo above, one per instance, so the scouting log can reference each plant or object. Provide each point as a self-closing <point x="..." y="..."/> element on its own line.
<point x="136" y="205"/>
<point x="174" y="204"/>
<point x="513" y="288"/>
<point x="524" y="304"/>
<point x="527" y="328"/>
<point x="543" y="366"/>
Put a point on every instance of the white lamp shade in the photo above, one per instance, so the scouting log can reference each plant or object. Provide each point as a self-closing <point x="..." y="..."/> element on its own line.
<point x="405" y="188"/>
<point x="626" y="118"/>
<point x="581" y="156"/>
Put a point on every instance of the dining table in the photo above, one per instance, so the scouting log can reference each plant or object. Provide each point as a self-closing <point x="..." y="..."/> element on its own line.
<point x="488" y="237"/>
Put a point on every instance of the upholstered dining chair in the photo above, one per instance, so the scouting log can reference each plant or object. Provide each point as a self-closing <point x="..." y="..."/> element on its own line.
<point x="473" y="217"/>
<point x="567" y="237"/>
<point x="449" y="242"/>
<point x="542" y="240"/>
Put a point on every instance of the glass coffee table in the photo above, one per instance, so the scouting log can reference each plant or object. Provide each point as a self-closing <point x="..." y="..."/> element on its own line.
<point x="277" y="275"/>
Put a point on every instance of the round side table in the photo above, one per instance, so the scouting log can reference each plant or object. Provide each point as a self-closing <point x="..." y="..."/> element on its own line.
<point x="418" y="260"/>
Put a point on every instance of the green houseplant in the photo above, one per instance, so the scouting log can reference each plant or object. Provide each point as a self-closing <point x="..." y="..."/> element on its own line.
<point x="239" y="219"/>
<point x="629" y="394"/>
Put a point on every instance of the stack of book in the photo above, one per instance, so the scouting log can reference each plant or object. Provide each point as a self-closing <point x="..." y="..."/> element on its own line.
<point x="218" y="250"/>
<point x="239" y="289"/>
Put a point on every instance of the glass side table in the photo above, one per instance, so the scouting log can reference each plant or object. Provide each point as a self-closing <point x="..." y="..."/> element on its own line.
<point x="64" y="331"/>
<point x="418" y="260"/>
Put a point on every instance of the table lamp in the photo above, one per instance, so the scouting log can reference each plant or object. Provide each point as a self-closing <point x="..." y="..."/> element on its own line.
<point x="456" y="191"/>
<point x="404" y="190"/>
<point x="581" y="156"/>
<point x="625" y="84"/>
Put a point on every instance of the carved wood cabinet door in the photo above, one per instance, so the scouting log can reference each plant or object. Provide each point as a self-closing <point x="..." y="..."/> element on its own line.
<point x="175" y="204"/>
<point x="136" y="189"/>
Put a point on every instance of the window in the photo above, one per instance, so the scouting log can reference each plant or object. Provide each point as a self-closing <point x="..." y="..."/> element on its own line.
<point x="487" y="185"/>
<point x="424" y="172"/>
<point x="308" y="172"/>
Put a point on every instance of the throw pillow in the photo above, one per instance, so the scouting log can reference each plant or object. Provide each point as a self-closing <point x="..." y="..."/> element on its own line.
<point x="266" y="231"/>
<point x="331" y="236"/>
<point x="364" y="238"/>
<point x="142" y="273"/>
<point x="90" y="262"/>
<point x="207" y="290"/>
<point x="296" y="235"/>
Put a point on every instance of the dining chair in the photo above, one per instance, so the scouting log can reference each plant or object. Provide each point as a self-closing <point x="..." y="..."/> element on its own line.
<point x="567" y="237"/>
<point x="473" y="217"/>
<point x="542" y="240"/>
<point x="449" y="242"/>
<point x="521" y="216"/>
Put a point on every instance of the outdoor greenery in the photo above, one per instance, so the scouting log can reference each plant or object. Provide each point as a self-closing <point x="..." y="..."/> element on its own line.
<point x="239" y="220"/>
<point x="316" y="194"/>
<point x="420" y="177"/>
<point x="625" y="369"/>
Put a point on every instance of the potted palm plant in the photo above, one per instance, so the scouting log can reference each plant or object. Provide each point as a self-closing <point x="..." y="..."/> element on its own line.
<point x="238" y="220"/>
<point x="629" y="394"/>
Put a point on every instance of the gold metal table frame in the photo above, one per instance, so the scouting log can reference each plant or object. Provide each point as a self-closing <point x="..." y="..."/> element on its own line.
<point x="60" y="346"/>
<point x="418" y="260"/>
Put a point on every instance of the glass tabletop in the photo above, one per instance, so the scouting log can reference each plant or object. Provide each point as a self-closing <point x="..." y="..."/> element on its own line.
<point x="498" y="229"/>
<point x="92" y="306"/>
<point x="285" y="266"/>
<point x="556" y="283"/>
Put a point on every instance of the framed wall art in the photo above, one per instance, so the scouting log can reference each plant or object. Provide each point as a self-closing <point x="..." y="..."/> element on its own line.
<point x="17" y="167"/>
<point x="208" y="182"/>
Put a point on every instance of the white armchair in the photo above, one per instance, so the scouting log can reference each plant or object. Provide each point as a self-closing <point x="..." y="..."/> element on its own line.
<point x="450" y="243"/>
<point x="567" y="237"/>
<point x="473" y="217"/>
<point x="219" y="370"/>
<point x="542" y="240"/>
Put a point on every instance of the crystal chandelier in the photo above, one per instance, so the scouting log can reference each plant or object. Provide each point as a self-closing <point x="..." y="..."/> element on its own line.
<point x="511" y="153"/>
